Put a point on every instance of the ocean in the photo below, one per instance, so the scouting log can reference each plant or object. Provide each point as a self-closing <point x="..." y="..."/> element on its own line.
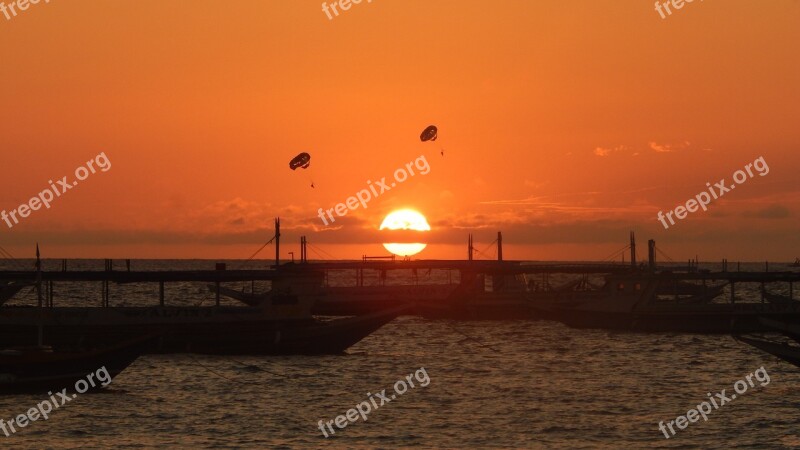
<point x="517" y="384"/>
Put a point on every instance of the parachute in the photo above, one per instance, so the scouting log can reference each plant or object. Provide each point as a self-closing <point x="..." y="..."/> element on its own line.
<point x="302" y="160"/>
<point x="429" y="134"/>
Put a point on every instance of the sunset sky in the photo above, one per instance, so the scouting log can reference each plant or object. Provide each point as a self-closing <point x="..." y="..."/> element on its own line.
<point x="564" y="124"/>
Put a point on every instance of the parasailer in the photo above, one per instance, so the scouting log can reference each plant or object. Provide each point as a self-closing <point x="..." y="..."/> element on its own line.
<point x="430" y="134"/>
<point x="302" y="161"/>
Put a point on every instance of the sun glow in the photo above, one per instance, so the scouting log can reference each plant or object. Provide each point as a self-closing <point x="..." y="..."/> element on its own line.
<point x="405" y="219"/>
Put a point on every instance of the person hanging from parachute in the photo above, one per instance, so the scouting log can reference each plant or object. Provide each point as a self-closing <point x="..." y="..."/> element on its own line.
<point x="301" y="161"/>
<point x="430" y="134"/>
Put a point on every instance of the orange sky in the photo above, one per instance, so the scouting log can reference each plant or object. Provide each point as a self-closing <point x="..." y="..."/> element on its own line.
<point x="565" y="124"/>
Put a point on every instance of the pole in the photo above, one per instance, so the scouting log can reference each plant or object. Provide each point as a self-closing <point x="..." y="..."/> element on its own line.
<point x="40" y="328"/>
<point x="277" y="241"/>
<point x="499" y="246"/>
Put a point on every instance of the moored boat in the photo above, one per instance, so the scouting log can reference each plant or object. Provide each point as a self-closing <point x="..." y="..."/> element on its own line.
<point x="206" y="330"/>
<point x="282" y="325"/>
<point x="647" y="313"/>
<point x="782" y="350"/>
<point x="9" y="289"/>
<point x="776" y="298"/>
<point x="791" y="329"/>
<point x="482" y="296"/>
<point x="41" y="369"/>
<point x="354" y="300"/>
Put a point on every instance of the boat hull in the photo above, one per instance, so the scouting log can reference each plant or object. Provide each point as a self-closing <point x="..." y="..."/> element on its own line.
<point x="43" y="372"/>
<point x="721" y="320"/>
<point x="209" y="330"/>
<point x="356" y="300"/>
<point x="788" y="353"/>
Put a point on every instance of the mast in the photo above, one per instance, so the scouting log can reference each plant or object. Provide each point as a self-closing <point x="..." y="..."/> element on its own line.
<point x="277" y="241"/>
<point x="499" y="246"/>
<point x="633" y="251"/>
<point x="40" y="331"/>
<point x="651" y="253"/>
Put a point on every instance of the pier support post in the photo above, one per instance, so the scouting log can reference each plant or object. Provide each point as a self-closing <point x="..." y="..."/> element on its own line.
<point x="217" y="289"/>
<point x="277" y="245"/>
<point x="161" y="293"/>
<point x="499" y="246"/>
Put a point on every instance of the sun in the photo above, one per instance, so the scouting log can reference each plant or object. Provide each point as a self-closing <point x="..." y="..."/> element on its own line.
<point x="405" y="219"/>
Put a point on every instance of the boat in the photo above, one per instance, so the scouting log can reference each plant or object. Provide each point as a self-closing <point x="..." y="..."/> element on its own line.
<point x="699" y="298"/>
<point x="698" y="291"/>
<point x="776" y="298"/>
<point x="40" y="369"/>
<point x="353" y="300"/>
<point x="482" y="296"/>
<point x="350" y="300"/>
<point x="9" y="289"/>
<point x="796" y="263"/>
<point x="282" y="325"/>
<point x="205" y="330"/>
<point x="248" y="298"/>
<point x="791" y="329"/>
<point x="782" y="350"/>
<point x="641" y="310"/>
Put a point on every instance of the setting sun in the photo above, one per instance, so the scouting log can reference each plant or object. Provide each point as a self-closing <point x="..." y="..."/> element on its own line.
<point x="405" y="219"/>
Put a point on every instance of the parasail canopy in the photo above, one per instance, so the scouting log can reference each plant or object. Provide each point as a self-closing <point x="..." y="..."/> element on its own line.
<point x="429" y="134"/>
<point x="302" y="160"/>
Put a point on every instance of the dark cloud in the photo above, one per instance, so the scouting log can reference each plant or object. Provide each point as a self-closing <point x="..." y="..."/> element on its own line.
<point x="769" y="212"/>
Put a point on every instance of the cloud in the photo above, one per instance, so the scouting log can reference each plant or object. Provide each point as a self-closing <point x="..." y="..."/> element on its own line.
<point x="601" y="151"/>
<point x="668" y="148"/>
<point x="652" y="145"/>
<point x="769" y="212"/>
<point x="535" y="184"/>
